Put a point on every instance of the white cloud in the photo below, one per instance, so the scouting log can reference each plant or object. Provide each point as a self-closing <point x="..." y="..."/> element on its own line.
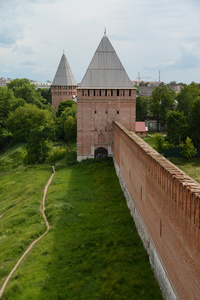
<point x="146" y="34"/>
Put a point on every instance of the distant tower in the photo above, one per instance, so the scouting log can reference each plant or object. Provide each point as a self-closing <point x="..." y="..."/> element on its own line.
<point x="105" y="94"/>
<point x="64" y="84"/>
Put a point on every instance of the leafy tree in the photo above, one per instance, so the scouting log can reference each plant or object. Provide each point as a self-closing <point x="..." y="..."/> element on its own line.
<point x="70" y="128"/>
<point x="22" y="88"/>
<point x="172" y="82"/>
<point x="160" y="141"/>
<point x="188" y="95"/>
<point x="46" y="94"/>
<point x="37" y="146"/>
<point x="142" y="105"/>
<point x="188" y="149"/>
<point x="161" y="103"/>
<point x="176" y="127"/>
<point x="195" y="123"/>
<point x="7" y="104"/>
<point x="16" y="83"/>
<point x="63" y="105"/>
<point x="5" y="138"/>
<point x="25" y="118"/>
<point x="67" y="123"/>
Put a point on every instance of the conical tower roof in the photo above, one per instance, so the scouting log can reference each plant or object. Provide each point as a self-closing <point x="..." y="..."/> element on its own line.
<point x="105" y="69"/>
<point x="64" y="75"/>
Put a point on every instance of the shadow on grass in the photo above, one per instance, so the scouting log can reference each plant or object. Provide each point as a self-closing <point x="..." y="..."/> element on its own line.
<point x="96" y="253"/>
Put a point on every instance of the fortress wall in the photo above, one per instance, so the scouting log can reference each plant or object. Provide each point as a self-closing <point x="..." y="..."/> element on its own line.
<point x="165" y="204"/>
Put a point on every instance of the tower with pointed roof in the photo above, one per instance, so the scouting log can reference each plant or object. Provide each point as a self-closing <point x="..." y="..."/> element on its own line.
<point x="105" y="94"/>
<point x="64" y="84"/>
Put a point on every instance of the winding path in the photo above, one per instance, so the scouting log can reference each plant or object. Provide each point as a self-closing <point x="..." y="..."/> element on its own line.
<point x="42" y="209"/>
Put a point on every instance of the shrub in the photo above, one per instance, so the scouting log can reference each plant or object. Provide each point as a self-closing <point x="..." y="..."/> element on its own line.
<point x="160" y="141"/>
<point x="188" y="149"/>
<point x="56" y="154"/>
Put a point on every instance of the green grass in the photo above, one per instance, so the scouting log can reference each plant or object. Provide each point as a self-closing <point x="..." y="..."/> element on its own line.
<point x="151" y="140"/>
<point x="92" y="250"/>
<point x="189" y="167"/>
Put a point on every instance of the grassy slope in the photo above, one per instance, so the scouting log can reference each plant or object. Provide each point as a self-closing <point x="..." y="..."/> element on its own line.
<point x="92" y="250"/>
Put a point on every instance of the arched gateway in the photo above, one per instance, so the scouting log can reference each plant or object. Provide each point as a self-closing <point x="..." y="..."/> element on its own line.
<point x="100" y="152"/>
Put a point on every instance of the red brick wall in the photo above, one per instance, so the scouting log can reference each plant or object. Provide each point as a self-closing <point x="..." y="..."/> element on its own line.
<point x="62" y="93"/>
<point x="169" y="203"/>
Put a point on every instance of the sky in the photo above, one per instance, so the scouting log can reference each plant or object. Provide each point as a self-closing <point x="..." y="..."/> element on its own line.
<point x="147" y="35"/>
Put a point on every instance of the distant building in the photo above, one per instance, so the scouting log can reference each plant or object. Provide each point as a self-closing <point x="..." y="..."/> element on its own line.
<point x="64" y="84"/>
<point x="146" y="90"/>
<point x="176" y="87"/>
<point x="141" y="129"/>
<point x="105" y="94"/>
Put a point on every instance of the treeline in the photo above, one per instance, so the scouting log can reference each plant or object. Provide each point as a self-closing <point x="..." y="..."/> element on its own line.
<point x="27" y="116"/>
<point x="178" y="112"/>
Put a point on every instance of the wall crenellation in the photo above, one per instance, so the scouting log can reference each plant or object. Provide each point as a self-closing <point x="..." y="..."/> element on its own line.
<point x="168" y="202"/>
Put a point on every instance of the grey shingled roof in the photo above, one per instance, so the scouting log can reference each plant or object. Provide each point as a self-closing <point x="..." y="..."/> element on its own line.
<point x="105" y="69"/>
<point x="64" y="75"/>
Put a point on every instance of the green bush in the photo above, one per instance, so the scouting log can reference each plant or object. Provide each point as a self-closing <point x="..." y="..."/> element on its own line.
<point x="57" y="154"/>
<point x="160" y="143"/>
<point x="188" y="149"/>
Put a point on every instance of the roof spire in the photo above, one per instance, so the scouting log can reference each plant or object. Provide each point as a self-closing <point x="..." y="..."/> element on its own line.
<point x="104" y="31"/>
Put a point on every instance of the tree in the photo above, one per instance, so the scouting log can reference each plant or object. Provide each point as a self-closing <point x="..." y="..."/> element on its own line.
<point x="195" y="123"/>
<point x="46" y="94"/>
<point x="22" y="88"/>
<point x="161" y="103"/>
<point x="25" y="118"/>
<point x="160" y="143"/>
<point x="63" y="105"/>
<point x="37" y="146"/>
<point x="188" y="95"/>
<point x="188" y="149"/>
<point x="142" y="104"/>
<point x="70" y="128"/>
<point x="67" y="123"/>
<point x="176" y="127"/>
<point x="7" y="104"/>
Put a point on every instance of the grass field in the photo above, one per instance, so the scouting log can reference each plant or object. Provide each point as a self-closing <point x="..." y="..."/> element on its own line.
<point x="92" y="250"/>
<point x="192" y="167"/>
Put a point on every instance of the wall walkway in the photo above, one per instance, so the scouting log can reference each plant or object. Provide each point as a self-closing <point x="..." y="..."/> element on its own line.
<point x="165" y="204"/>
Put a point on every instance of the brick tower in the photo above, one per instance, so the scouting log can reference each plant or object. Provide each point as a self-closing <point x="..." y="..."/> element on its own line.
<point x="105" y="94"/>
<point x="64" y="84"/>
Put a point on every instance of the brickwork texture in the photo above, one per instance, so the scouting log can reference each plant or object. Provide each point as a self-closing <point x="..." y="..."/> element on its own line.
<point x="168" y="202"/>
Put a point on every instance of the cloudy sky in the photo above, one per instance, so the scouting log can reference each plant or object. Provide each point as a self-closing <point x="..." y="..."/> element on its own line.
<point x="148" y="36"/>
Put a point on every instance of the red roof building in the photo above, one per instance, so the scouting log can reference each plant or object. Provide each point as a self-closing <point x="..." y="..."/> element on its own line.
<point x="140" y="129"/>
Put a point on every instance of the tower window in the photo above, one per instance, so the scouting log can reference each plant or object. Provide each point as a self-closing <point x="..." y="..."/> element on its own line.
<point x="118" y="112"/>
<point x="117" y="92"/>
<point x="111" y="92"/>
<point x="100" y="93"/>
<point x="129" y="93"/>
<point x="106" y="92"/>
<point x="95" y="111"/>
<point x="94" y="93"/>
<point x="88" y="92"/>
